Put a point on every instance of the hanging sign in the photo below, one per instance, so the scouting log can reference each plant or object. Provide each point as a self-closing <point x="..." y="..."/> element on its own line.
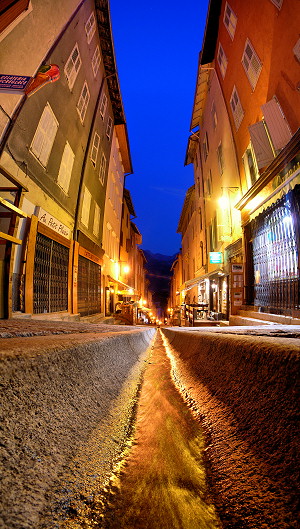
<point x="14" y="84"/>
<point x="22" y="84"/>
<point x="215" y="257"/>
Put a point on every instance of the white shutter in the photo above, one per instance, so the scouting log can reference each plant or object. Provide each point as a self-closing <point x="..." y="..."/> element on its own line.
<point x="261" y="144"/>
<point x="86" y="206"/>
<point x="65" y="170"/>
<point x="277" y="124"/>
<point x="44" y="136"/>
<point x="96" y="220"/>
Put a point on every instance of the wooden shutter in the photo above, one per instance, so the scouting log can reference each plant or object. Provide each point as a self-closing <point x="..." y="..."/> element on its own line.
<point x="277" y="124"/>
<point x="261" y="144"/>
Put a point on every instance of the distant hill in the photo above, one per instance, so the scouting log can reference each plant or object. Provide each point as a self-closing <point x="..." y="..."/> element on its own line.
<point x="159" y="274"/>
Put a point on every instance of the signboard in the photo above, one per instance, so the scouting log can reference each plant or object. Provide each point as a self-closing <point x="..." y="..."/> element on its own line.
<point x="215" y="257"/>
<point x="22" y="84"/>
<point x="13" y="84"/>
<point x="52" y="223"/>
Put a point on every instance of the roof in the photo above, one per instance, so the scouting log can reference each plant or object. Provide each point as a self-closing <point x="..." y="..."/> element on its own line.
<point x="121" y="131"/>
<point x="109" y="60"/>
<point x="211" y="31"/>
<point x="128" y="200"/>
<point x="184" y="208"/>
<point x="135" y="228"/>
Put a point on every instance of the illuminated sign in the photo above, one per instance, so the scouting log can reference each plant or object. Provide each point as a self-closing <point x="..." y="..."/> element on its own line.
<point x="13" y="84"/>
<point x="215" y="257"/>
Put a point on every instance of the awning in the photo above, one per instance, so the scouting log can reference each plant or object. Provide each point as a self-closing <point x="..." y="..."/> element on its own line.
<point x="197" y="280"/>
<point x="128" y="287"/>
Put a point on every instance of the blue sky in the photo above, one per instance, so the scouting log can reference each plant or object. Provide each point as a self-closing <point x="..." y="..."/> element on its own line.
<point x="157" y="45"/>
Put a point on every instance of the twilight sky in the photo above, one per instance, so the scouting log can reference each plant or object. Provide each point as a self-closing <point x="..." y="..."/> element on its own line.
<point x="157" y="45"/>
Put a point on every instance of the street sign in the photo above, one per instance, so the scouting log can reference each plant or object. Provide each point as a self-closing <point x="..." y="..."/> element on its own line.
<point x="13" y="84"/>
<point x="215" y="257"/>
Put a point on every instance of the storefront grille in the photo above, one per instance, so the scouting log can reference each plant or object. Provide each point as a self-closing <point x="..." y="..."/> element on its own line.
<point x="275" y="256"/>
<point x="89" y="287"/>
<point x="50" y="277"/>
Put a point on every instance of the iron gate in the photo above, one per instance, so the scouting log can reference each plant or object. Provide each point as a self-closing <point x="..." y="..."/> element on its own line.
<point x="89" y="287"/>
<point x="50" y="277"/>
<point x="275" y="255"/>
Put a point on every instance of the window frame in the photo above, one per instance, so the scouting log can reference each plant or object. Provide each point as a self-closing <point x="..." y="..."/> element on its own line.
<point x="96" y="60"/>
<point x="72" y="76"/>
<point x="102" y="168"/>
<point x="238" y="112"/>
<point x="109" y="127"/>
<point x="232" y="20"/>
<point x="95" y="148"/>
<point x="90" y="27"/>
<point x="84" y="101"/>
<point x="222" y="60"/>
<point x="103" y="105"/>
<point x="251" y="72"/>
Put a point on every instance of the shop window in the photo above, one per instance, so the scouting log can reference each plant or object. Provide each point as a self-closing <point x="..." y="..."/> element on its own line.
<point x="251" y="63"/>
<point x="65" y="170"/>
<point x="236" y="108"/>
<point x="86" y="206"/>
<point x="90" y="27"/>
<point x="72" y="66"/>
<point x="95" y="149"/>
<point x="103" y="105"/>
<point x="230" y="20"/>
<point x="83" y="102"/>
<point x="44" y="136"/>
<point x="96" y="61"/>
<point x="222" y="60"/>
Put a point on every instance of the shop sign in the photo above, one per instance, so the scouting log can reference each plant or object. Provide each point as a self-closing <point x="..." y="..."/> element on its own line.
<point x="89" y="255"/>
<point x="237" y="268"/>
<point x="13" y="84"/>
<point x="215" y="257"/>
<point x="52" y="223"/>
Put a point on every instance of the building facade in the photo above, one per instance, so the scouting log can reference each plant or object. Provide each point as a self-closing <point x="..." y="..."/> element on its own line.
<point x="64" y="153"/>
<point x="245" y="151"/>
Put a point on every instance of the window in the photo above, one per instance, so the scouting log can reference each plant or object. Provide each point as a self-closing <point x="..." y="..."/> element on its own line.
<point x="90" y="27"/>
<point x="65" y="170"/>
<point x="220" y="158"/>
<point x="102" y="169"/>
<point x="209" y="184"/>
<point x="222" y="60"/>
<point x="96" y="60"/>
<point x="109" y="127"/>
<point x="250" y="167"/>
<point x="277" y="3"/>
<point x="86" y="206"/>
<point x="96" y="224"/>
<point x="83" y="102"/>
<point x="103" y="105"/>
<point x="72" y="66"/>
<point x="205" y="146"/>
<point x="236" y="108"/>
<point x="251" y="63"/>
<point x="44" y="137"/>
<point x="230" y="20"/>
<point x="214" y="116"/>
<point x="95" y="149"/>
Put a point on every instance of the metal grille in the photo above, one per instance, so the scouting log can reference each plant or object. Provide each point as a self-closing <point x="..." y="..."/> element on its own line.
<point x="89" y="287"/>
<point x="275" y="256"/>
<point x="50" y="276"/>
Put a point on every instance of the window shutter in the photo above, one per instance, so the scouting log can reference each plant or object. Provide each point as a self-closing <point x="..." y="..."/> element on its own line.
<point x="277" y="124"/>
<point x="65" y="170"/>
<point x="261" y="144"/>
